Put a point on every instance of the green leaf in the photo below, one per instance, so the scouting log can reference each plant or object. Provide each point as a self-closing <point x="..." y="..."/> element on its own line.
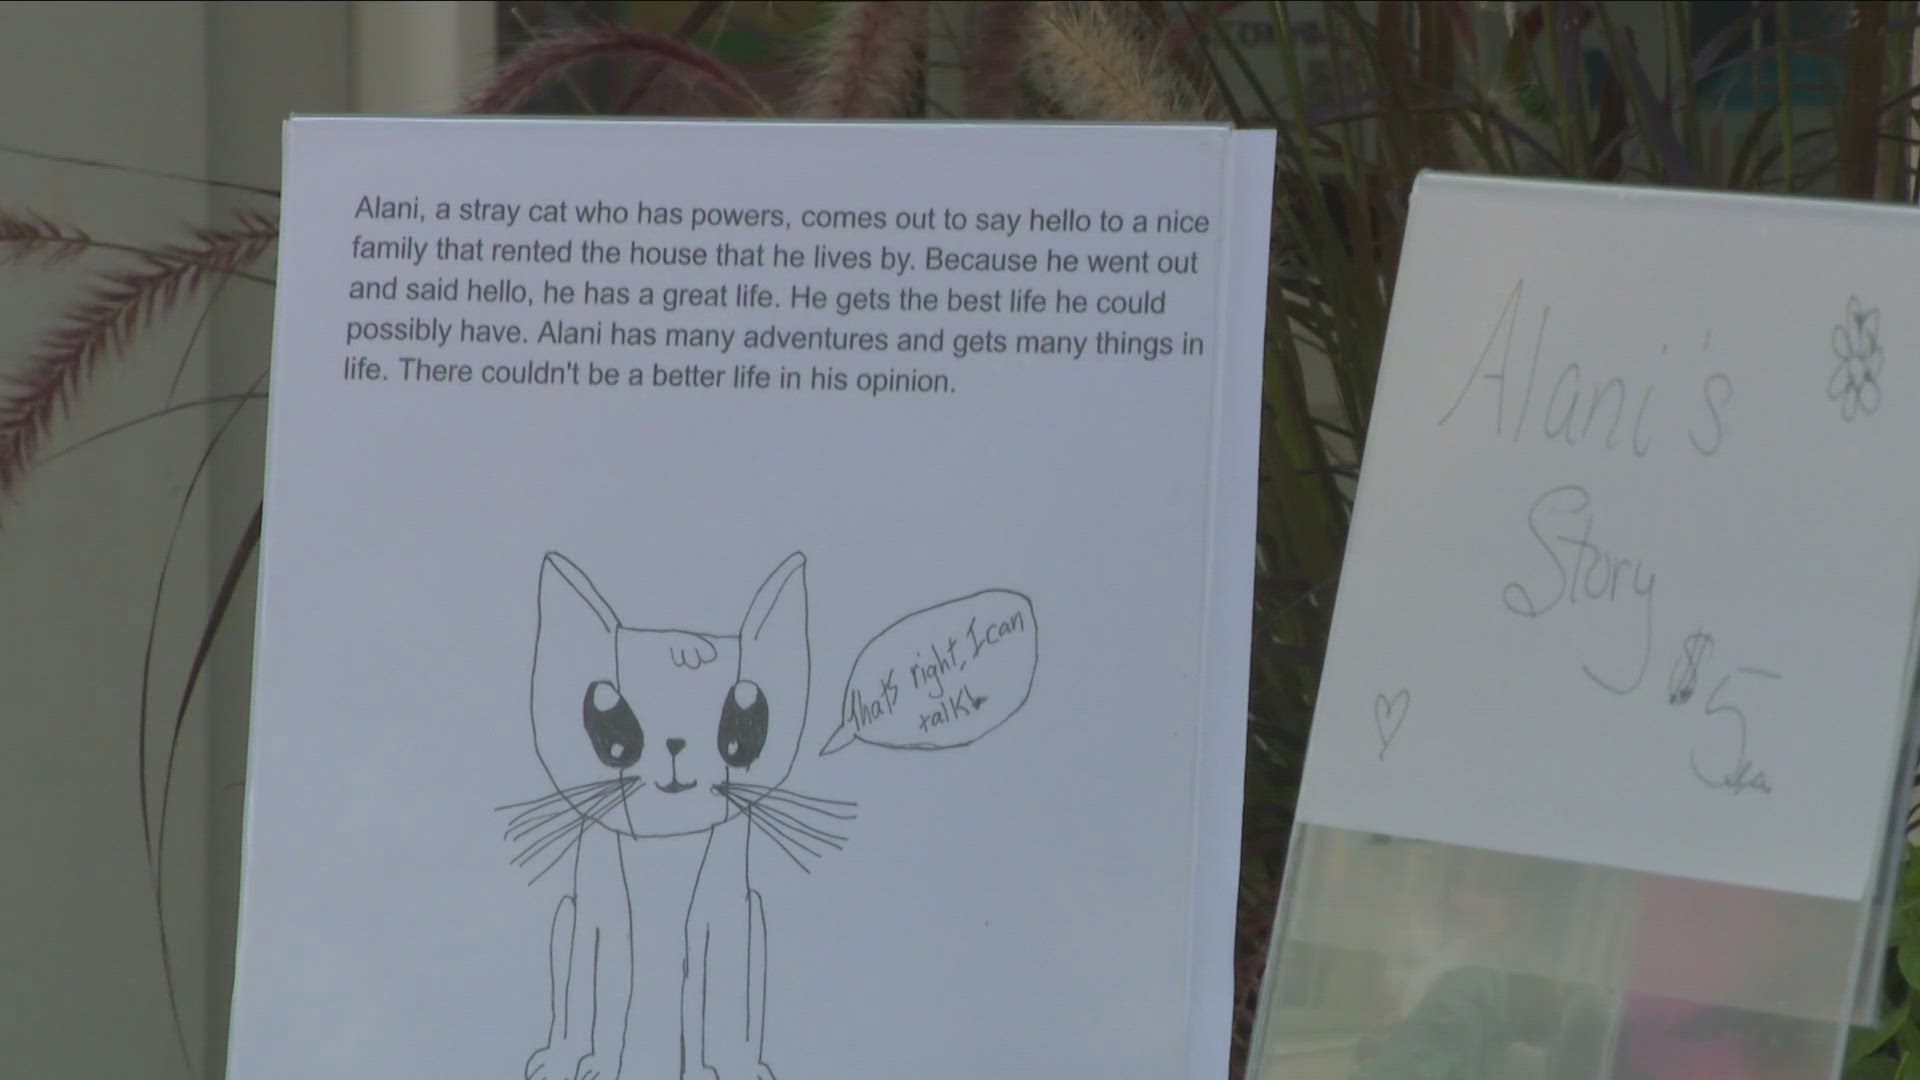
<point x="1862" y="1042"/>
<point x="1904" y="926"/>
<point x="1880" y="1068"/>
<point x="1910" y="962"/>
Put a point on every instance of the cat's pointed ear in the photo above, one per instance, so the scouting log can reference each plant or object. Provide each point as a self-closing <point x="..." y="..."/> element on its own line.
<point x="573" y="648"/>
<point x="778" y="614"/>
<point x="774" y="657"/>
<point x="567" y="596"/>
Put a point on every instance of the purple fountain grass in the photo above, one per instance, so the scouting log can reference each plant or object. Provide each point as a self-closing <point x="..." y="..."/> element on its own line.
<point x="993" y="59"/>
<point x="1191" y="27"/>
<point x="1096" y="62"/>
<point x="652" y="69"/>
<point x="513" y="83"/>
<point x="29" y="235"/>
<point x="868" y="61"/>
<point x="120" y="304"/>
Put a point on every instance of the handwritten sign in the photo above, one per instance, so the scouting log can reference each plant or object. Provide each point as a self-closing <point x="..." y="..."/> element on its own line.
<point x="1636" y="548"/>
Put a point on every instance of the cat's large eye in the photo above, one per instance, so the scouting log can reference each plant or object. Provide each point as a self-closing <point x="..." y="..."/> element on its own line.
<point x="743" y="725"/>
<point x="611" y="726"/>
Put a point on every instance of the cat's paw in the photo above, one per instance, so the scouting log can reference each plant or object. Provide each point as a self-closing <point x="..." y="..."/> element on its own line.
<point x="548" y="1063"/>
<point x="597" y="1067"/>
<point x="759" y="1070"/>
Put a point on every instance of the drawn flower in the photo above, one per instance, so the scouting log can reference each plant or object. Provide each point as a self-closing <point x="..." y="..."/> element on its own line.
<point x="1855" y="382"/>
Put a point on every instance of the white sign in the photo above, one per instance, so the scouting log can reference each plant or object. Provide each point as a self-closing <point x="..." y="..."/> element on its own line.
<point x="749" y="600"/>
<point x="1633" y="568"/>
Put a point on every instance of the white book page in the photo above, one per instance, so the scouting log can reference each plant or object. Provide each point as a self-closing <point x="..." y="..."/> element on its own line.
<point x="1632" y="573"/>
<point x="727" y="606"/>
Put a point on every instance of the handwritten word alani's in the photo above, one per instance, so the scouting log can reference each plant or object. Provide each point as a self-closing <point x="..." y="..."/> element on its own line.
<point x="1553" y="400"/>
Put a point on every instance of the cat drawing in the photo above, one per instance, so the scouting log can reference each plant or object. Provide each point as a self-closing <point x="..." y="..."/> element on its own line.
<point x="666" y="750"/>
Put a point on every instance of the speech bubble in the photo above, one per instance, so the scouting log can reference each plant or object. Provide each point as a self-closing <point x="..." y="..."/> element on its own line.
<point x="941" y="677"/>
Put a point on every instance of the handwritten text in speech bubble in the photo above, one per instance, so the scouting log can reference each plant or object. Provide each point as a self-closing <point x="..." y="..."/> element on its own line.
<point x="941" y="677"/>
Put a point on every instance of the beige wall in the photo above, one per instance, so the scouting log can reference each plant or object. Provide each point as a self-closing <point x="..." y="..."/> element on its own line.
<point x="197" y="89"/>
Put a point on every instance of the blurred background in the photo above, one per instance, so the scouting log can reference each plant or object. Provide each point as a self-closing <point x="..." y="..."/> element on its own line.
<point x="123" y="543"/>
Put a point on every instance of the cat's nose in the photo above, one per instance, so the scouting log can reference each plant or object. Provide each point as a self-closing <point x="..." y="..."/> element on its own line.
<point x="674" y="746"/>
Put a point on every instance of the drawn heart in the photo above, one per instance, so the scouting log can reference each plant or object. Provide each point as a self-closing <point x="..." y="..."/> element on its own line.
<point x="1388" y="715"/>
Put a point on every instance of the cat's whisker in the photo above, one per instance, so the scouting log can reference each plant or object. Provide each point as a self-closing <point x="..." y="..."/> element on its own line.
<point x="779" y="841"/>
<point x="785" y="831"/>
<point x="543" y="800"/>
<point x="533" y="850"/>
<point x="774" y="800"/>
<point x="794" y="824"/>
<point x="544" y="809"/>
<point x="535" y="819"/>
<point x="751" y="810"/>
<point x="778" y="813"/>
<point x="602" y="809"/>
<point x="595" y="806"/>
<point x="565" y="849"/>
<point x="611" y="795"/>
<point x="773" y="828"/>
<point x="557" y="821"/>
<point x="792" y="804"/>
<point x="790" y="795"/>
<point x="563" y="794"/>
<point x="530" y="821"/>
<point x="570" y="833"/>
<point x="519" y="831"/>
<point x="567" y="796"/>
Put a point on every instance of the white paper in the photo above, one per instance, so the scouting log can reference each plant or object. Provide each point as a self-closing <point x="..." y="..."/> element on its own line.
<point x="1028" y="872"/>
<point x="1647" y="601"/>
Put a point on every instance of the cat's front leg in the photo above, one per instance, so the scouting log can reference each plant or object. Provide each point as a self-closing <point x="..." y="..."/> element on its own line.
<point x="726" y="989"/>
<point x="757" y="977"/>
<point x="603" y="956"/>
<point x="756" y="984"/>
<point x="555" y="1060"/>
<point x="612" y="981"/>
<point x="590" y="966"/>
<point x="589" y="969"/>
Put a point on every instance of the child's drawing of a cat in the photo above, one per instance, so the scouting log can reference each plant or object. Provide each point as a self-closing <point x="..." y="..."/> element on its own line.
<point x="666" y="750"/>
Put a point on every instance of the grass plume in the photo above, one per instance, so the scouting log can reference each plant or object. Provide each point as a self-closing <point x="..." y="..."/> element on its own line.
<point x="516" y="81"/>
<point x="868" y="62"/>
<point x="30" y="235"/>
<point x="993" y="82"/>
<point x="120" y="305"/>
<point x="1095" y="61"/>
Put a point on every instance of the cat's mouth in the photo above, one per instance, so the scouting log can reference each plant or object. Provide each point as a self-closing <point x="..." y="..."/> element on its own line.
<point x="675" y="787"/>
